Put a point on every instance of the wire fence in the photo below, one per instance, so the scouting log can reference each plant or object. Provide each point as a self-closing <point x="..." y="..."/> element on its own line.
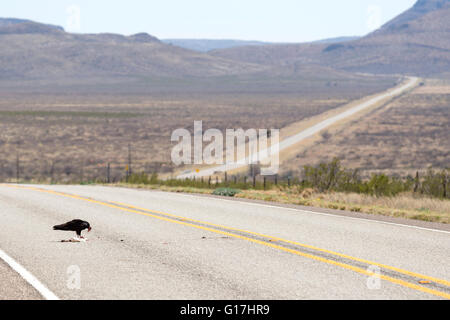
<point x="73" y="171"/>
<point x="324" y="177"/>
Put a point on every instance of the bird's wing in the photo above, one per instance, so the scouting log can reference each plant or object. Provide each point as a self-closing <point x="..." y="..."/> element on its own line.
<point x="69" y="226"/>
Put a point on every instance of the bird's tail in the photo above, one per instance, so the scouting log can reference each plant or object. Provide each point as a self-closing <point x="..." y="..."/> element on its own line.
<point x="58" y="227"/>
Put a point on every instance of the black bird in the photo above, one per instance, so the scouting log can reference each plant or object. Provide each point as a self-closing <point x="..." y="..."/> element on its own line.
<point x="74" y="225"/>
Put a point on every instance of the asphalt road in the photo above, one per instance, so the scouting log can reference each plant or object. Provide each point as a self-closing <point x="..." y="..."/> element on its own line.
<point x="288" y="142"/>
<point x="156" y="245"/>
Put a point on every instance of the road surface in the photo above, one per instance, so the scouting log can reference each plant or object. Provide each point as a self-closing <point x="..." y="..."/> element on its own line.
<point x="156" y="245"/>
<point x="265" y="154"/>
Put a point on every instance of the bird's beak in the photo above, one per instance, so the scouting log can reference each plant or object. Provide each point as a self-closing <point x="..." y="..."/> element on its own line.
<point x="89" y="229"/>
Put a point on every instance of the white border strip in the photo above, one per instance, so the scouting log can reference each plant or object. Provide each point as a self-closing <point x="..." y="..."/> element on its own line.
<point x="28" y="277"/>
<point x="310" y="212"/>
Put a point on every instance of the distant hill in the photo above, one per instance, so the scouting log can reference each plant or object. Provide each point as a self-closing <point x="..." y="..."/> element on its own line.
<point x="206" y="45"/>
<point x="11" y="21"/>
<point x="11" y="25"/>
<point x="337" y="40"/>
<point x="34" y="51"/>
<point x="415" y="42"/>
<point x="41" y="57"/>
<point x="421" y="8"/>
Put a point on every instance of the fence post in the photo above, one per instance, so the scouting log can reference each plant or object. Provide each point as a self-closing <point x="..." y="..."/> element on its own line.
<point x="209" y="181"/>
<point x="82" y="172"/>
<point x="235" y="180"/>
<point x="444" y="184"/>
<point x="264" y="183"/>
<point x="52" y="169"/>
<point x="254" y="181"/>
<point x="416" y="182"/>
<point x="129" y="159"/>
<point x="108" y="173"/>
<point x="276" y="179"/>
<point x="17" y="168"/>
<point x="289" y="182"/>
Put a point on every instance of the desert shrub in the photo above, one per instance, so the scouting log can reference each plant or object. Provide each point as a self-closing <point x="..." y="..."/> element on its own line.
<point x="226" y="192"/>
<point x="330" y="176"/>
<point x="382" y="185"/>
<point x="138" y="178"/>
<point x="323" y="177"/>
<point x="333" y="177"/>
<point x="435" y="183"/>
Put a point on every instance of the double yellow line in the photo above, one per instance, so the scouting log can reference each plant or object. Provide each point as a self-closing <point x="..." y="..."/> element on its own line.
<point x="211" y="228"/>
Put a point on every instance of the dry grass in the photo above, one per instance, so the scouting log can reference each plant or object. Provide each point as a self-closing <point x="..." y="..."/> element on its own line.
<point x="405" y="201"/>
<point x="406" y="205"/>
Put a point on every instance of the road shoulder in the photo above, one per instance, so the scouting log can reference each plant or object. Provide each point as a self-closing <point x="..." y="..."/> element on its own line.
<point x="349" y="214"/>
<point x="14" y="287"/>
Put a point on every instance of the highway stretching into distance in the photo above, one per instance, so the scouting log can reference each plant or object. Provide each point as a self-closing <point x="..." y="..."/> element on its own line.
<point x="265" y="154"/>
<point x="156" y="245"/>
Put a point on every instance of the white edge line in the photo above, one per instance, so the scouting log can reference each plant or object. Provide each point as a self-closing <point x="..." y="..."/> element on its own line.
<point x="28" y="277"/>
<point x="311" y="212"/>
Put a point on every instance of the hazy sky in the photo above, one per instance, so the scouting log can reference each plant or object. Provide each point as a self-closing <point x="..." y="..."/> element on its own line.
<point x="268" y="20"/>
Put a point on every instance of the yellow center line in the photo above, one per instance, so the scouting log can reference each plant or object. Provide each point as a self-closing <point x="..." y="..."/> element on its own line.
<point x="409" y="273"/>
<point x="293" y="251"/>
